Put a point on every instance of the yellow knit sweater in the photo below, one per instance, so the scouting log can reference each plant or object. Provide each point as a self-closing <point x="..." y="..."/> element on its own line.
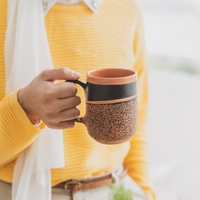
<point x="82" y="40"/>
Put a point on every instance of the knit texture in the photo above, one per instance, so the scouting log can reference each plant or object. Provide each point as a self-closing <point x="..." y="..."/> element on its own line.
<point x="82" y="41"/>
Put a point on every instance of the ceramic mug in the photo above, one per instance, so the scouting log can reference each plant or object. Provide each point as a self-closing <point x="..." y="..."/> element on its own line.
<point x="111" y="104"/>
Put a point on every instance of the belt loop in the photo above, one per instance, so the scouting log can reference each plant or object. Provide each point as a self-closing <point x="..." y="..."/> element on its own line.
<point x="115" y="177"/>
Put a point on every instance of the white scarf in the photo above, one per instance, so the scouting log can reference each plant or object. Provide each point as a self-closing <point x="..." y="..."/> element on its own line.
<point x="26" y="55"/>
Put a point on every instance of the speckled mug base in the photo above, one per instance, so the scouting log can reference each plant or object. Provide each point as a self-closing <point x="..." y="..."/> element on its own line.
<point x="112" y="123"/>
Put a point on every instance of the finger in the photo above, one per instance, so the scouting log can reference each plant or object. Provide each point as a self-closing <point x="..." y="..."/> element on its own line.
<point x="67" y="103"/>
<point x="64" y="115"/>
<point x="69" y="114"/>
<point x="67" y="124"/>
<point x="59" y="74"/>
<point x="62" y="125"/>
<point x="65" y="89"/>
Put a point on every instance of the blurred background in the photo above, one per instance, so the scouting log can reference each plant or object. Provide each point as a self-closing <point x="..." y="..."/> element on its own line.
<point x="172" y="33"/>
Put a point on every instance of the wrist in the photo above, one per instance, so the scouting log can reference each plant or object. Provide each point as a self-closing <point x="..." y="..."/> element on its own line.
<point x="35" y="120"/>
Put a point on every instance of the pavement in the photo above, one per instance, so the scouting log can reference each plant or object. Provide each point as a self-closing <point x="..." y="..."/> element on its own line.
<point x="174" y="135"/>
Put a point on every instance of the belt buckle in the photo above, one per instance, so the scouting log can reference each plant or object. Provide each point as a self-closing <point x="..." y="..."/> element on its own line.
<point x="75" y="186"/>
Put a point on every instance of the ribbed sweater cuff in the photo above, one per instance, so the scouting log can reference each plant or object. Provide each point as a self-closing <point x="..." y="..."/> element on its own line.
<point x="28" y="129"/>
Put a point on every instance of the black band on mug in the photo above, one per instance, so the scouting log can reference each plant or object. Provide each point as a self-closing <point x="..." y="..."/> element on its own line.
<point x="110" y="92"/>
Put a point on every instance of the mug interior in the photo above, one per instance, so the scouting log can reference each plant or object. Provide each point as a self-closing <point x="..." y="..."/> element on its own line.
<point x="111" y="73"/>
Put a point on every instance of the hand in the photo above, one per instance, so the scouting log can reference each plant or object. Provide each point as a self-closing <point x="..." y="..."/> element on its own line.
<point x="54" y="103"/>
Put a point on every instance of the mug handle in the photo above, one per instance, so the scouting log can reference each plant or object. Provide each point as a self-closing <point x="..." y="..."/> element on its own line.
<point x="79" y="82"/>
<point x="83" y="85"/>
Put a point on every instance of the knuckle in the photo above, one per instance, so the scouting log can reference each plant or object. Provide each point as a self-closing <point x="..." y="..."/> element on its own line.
<point x="50" y="119"/>
<point x="47" y="93"/>
<point x="76" y="112"/>
<point x="62" y="70"/>
<point x="48" y="109"/>
<point x="77" y="100"/>
<point x="72" y="89"/>
<point x="54" y="125"/>
<point x="50" y="125"/>
<point x="44" y="73"/>
<point x="70" y="124"/>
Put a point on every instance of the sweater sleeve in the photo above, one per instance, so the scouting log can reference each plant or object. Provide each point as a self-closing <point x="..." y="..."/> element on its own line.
<point x="16" y="131"/>
<point x="136" y="160"/>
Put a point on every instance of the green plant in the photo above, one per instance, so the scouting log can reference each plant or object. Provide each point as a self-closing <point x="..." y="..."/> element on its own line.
<point x="119" y="192"/>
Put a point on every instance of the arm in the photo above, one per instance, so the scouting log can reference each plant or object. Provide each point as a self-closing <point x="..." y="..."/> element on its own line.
<point x="55" y="104"/>
<point x="136" y="160"/>
<point x="16" y="131"/>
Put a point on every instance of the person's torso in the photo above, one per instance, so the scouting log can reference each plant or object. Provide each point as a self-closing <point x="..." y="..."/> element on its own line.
<point x="82" y="40"/>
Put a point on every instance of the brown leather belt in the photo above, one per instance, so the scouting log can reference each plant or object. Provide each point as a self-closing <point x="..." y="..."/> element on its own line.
<point x="74" y="186"/>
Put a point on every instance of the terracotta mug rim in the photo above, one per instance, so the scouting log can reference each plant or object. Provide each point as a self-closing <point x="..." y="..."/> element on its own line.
<point x="121" y="76"/>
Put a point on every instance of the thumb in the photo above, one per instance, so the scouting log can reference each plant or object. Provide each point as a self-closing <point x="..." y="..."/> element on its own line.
<point x="59" y="74"/>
